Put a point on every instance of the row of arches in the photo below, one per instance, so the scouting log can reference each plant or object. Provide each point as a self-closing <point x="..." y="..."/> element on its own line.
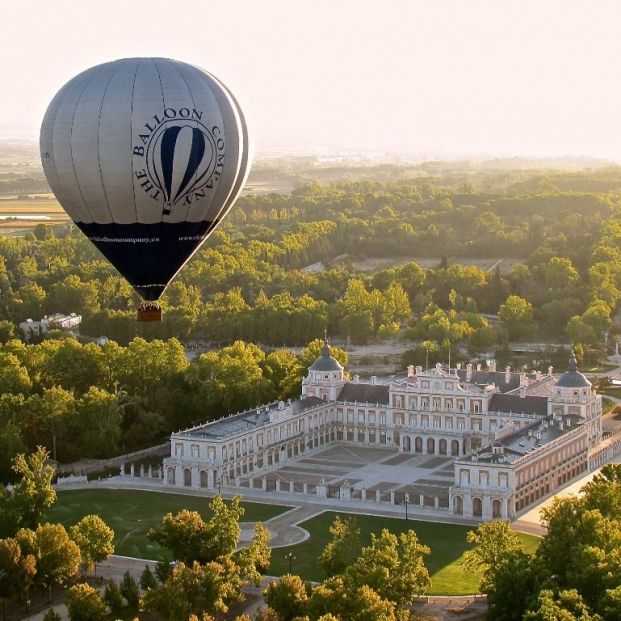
<point x="207" y="479"/>
<point x="430" y="446"/>
<point x="477" y="507"/>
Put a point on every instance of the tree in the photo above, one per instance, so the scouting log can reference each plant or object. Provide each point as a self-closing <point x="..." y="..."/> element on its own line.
<point x="129" y="590"/>
<point x="287" y="597"/>
<point x="254" y="560"/>
<point x="51" y="411"/>
<point x="95" y="540"/>
<point x="57" y="557"/>
<point x="603" y="492"/>
<point x="33" y="494"/>
<point x="190" y="538"/>
<point x="113" y="598"/>
<point x="147" y="579"/>
<point x="346" y="600"/>
<point x="566" y="606"/>
<point x="17" y="572"/>
<point x="494" y="541"/>
<point x="516" y="315"/>
<point x="52" y="615"/>
<point x="84" y="603"/>
<point x="196" y="589"/>
<point x="393" y="567"/>
<point x="511" y="587"/>
<point x="98" y="418"/>
<point x="343" y="547"/>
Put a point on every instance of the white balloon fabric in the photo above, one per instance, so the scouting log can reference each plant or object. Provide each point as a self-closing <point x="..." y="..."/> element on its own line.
<point x="146" y="155"/>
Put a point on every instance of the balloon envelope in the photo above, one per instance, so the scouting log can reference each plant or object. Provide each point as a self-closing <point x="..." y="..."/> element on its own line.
<point x="146" y="155"/>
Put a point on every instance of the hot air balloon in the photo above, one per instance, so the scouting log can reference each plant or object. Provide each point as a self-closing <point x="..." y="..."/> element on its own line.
<point x="146" y="155"/>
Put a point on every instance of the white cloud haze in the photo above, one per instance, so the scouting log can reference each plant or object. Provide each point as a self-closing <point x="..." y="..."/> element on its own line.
<point x="502" y="77"/>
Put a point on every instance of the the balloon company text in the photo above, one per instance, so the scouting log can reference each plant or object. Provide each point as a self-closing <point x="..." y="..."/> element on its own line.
<point x="180" y="158"/>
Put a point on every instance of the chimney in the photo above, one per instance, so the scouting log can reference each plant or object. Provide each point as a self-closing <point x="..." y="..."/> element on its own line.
<point x="468" y="372"/>
<point x="479" y="367"/>
<point x="550" y="371"/>
<point x="458" y="366"/>
<point x="281" y="405"/>
<point x="373" y="379"/>
<point x="419" y="370"/>
<point x="538" y="375"/>
<point x="411" y="370"/>
<point x="560" y="424"/>
<point x="522" y="392"/>
<point x="438" y="366"/>
<point x="356" y="379"/>
<point x="491" y="365"/>
<point x="523" y="379"/>
<point x="507" y="375"/>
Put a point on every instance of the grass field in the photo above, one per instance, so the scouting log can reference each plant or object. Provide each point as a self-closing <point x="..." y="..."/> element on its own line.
<point x="131" y="513"/>
<point x="447" y="543"/>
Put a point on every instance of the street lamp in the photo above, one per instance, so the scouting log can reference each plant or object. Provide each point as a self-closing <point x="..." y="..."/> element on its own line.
<point x="405" y="500"/>
<point x="290" y="556"/>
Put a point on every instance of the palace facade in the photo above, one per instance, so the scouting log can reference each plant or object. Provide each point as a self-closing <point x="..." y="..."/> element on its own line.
<point x="513" y="437"/>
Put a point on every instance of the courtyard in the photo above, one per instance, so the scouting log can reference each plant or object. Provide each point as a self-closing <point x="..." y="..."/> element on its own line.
<point x="372" y="473"/>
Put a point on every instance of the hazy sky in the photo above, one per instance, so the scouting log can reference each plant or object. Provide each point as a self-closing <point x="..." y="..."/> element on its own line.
<point x="505" y="77"/>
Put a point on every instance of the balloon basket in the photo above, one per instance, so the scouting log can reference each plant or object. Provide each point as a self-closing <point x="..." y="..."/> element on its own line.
<point x="150" y="312"/>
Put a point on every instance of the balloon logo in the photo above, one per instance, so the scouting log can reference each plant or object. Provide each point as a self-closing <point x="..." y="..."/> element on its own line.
<point x="180" y="159"/>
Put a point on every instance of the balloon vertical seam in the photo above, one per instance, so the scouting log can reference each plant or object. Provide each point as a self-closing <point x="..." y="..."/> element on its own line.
<point x="103" y="185"/>
<point x="131" y="137"/>
<point x="75" y="107"/>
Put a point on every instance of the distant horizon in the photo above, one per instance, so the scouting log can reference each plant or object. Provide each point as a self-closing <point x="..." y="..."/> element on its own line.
<point x="370" y="155"/>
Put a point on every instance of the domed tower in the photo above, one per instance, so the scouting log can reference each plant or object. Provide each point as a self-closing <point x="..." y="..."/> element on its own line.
<point x="325" y="377"/>
<point x="574" y="400"/>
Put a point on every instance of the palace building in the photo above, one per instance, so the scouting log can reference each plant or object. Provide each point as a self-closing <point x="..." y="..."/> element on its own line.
<point x="511" y="437"/>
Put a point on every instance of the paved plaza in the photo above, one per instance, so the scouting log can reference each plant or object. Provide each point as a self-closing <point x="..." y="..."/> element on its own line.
<point x="370" y="469"/>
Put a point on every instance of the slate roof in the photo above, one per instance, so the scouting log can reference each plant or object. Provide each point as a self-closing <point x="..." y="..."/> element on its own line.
<point x="364" y="393"/>
<point x="572" y="378"/>
<point x="520" y="443"/>
<point x="326" y="362"/>
<point x="245" y="421"/>
<point x="537" y="406"/>
<point x="497" y="378"/>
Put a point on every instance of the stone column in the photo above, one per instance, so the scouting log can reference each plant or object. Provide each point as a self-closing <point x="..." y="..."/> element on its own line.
<point x="436" y="502"/>
<point x="345" y="491"/>
<point x="392" y="496"/>
<point x="150" y="471"/>
<point x="264" y="484"/>
<point x="378" y="496"/>
<point x="363" y="493"/>
<point x="122" y="470"/>
<point x="322" y="490"/>
<point x="305" y="487"/>
<point x="195" y="477"/>
<point x="132" y="470"/>
<point x="277" y="485"/>
<point x="142" y="471"/>
<point x="421" y="498"/>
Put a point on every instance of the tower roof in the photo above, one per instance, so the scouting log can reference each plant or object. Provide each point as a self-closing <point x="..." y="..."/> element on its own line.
<point x="572" y="378"/>
<point x="326" y="362"/>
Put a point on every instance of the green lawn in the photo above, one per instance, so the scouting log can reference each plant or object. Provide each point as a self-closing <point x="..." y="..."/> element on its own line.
<point x="447" y="543"/>
<point x="131" y="513"/>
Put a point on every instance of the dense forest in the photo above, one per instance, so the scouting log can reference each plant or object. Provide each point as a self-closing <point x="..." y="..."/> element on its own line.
<point x="281" y="270"/>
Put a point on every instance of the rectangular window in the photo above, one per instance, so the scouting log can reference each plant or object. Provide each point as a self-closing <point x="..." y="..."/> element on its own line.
<point x="179" y="450"/>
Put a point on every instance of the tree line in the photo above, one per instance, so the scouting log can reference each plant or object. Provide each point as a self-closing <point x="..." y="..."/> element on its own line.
<point x="95" y="401"/>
